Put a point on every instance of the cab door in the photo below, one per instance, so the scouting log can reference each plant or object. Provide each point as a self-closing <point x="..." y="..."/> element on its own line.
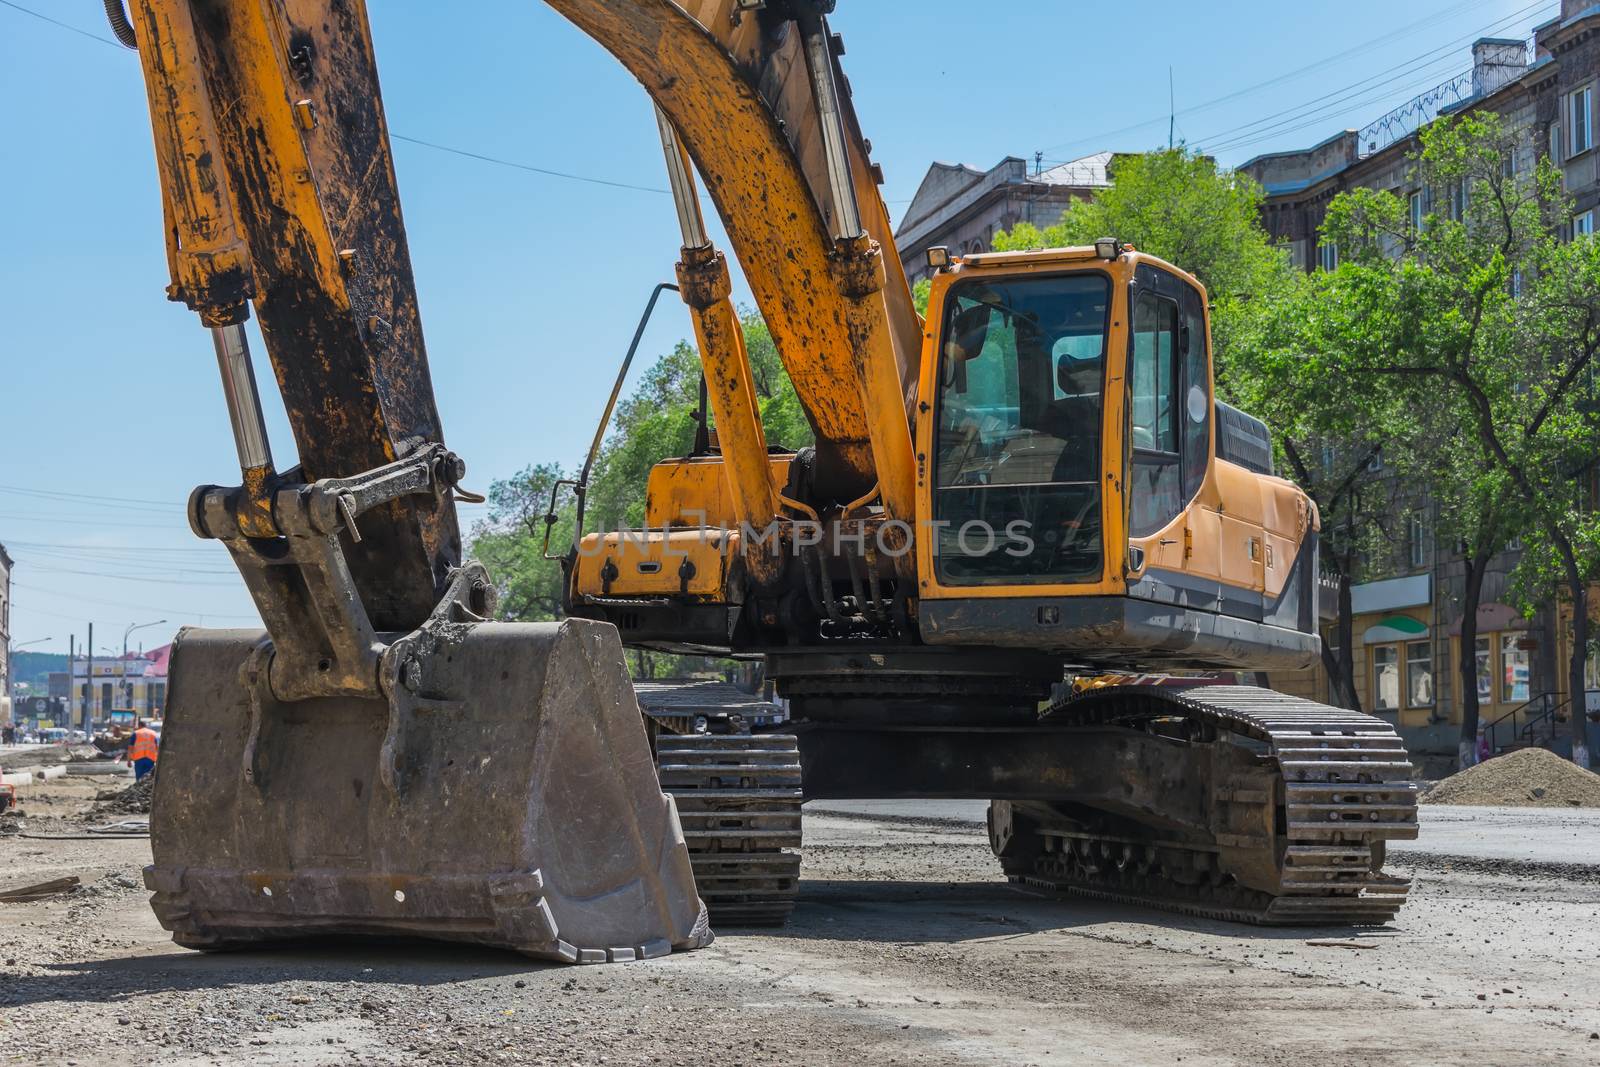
<point x="1169" y="441"/>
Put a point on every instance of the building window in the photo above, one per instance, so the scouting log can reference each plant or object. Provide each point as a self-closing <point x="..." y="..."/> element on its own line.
<point x="1328" y="255"/>
<point x="1386" y="677"/>
<point x="1417" y="538"/>
<point x="1458" y="199"/>
<point x="1416" y="211"/>
<point x="1516" y="284"/>
<point x="1579" y="127"/>
<point x="1513" y="670"/>
<point x="1508" y="163"/>
<point x="1484" y="653"/>
<point x="1583" y="224"/>
<point x="1419" y="675"/>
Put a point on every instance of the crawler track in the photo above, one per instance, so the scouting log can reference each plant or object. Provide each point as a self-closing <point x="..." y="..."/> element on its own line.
<point x="1344" y="790"/>
<point x="738" y="798"/>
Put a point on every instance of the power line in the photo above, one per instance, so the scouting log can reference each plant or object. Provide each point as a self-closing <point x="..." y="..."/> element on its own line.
<point x="86" y="499"/>
<point x="135" y="578"/>
<point x="123" y="604"/>
<point x="63" y="25"/>
<point x="434" y="145"/>
<point x="527" y="166"/>
<point x="1345" y="96"/>
<point x="1278" y="80"/>
<point x="80" y="520"/>
<point x="111" y="549"/>
<point x="1322" y="114"/>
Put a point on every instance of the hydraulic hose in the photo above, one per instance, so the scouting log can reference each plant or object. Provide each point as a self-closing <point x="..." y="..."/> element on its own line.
<point x="118" y="17"/>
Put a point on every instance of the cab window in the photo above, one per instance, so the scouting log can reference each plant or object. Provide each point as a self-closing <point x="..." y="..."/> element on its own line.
<point x="1156" y="493"/>
<point x="1022" y="369"/>
<point x="1169" y="400"/>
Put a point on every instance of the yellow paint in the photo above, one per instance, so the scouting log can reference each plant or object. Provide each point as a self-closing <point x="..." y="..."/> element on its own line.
<point x="730" y="390"/>
<point x="688" y="564"/>
<point x="695" y="492"/>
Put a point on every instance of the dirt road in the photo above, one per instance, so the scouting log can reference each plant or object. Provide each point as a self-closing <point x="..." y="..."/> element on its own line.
<point x="906" y="949"/>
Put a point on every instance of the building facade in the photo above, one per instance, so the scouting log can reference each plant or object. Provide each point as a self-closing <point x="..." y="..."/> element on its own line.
<point x="136" y="682"/>
<point x="1407" y="622"/>
<point x="961" y="208"/>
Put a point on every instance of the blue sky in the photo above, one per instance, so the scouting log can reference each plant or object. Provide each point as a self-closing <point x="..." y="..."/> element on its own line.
<point x="530" y="284"/>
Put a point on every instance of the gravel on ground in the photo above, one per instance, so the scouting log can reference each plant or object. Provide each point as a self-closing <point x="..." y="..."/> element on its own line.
<point x="907" y="948"/>
<point x="1528" y="778"/>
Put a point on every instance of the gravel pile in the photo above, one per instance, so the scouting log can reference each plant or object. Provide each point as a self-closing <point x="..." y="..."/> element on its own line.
<point x="134" y="800"/>
<point x="1529" y="778"/>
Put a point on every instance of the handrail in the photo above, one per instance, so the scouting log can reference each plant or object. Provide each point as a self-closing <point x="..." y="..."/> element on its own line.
<point x="1546" y="713"/>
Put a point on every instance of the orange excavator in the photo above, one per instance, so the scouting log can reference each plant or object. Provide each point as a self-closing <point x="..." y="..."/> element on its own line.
<point x="1032" y="477"/>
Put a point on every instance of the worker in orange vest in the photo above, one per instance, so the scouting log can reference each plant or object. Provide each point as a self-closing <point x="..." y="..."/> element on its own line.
<point x="142" y="751"/>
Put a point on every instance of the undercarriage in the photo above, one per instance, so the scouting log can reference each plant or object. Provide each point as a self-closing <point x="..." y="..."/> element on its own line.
<point x="1232" y="802"/>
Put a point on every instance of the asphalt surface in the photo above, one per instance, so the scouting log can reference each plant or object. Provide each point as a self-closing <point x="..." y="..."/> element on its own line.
<point x="906" y="948"/>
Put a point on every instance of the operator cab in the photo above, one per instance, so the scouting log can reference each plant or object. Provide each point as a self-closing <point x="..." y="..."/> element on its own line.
<point x="1075" y="497"/>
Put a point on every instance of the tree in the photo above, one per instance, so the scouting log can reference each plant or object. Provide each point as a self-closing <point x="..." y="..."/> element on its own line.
<point x="1333" y="436"/>
<point x="1182" y="207"/>
<point x="657" y="420"/>
<point x="1488" y="302"/>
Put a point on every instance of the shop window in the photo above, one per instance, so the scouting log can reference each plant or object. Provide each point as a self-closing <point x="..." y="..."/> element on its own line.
<point x="1513" y="670"/>
<point x="1386" y="677"/>
<point x="1419" y="675"/>
<point x="1485" y="658"/>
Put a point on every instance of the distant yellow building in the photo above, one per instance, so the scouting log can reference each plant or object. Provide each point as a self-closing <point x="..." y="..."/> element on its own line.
<point x="137" y="683"/>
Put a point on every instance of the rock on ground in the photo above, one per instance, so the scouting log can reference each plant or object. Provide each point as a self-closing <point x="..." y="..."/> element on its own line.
<point x="134" y="800"/>
<point x="1531" y="777"/>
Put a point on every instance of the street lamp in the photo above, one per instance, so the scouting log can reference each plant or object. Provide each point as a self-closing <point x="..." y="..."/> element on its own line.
<point x="127" y="686"/>
<point x="12" y="651"/>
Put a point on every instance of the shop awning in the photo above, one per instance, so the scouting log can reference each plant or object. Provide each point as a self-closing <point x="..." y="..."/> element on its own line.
<point x="1394" y="628"/>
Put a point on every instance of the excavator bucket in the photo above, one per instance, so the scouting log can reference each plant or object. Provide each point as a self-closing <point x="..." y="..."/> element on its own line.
<point x="504" y="795"/>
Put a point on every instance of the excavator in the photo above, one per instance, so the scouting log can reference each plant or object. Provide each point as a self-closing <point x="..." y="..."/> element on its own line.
<point x="382" y="759"/>
<point x="1033" y="477"/>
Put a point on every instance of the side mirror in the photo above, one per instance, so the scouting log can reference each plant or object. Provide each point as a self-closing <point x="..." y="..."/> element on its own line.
<point x="968" y="332"/>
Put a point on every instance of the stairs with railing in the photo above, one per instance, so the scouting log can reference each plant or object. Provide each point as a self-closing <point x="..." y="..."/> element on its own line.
<point x="1540" y="719"/>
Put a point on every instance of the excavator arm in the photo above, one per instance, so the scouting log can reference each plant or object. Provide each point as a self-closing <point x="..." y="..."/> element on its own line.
<point x="818" y="275"/>
<point x="280" y="191"/>
<point x="383" y="759"/>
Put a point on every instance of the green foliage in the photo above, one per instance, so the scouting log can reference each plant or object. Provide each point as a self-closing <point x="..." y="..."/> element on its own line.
<point x="1180" y="206"/>
<point x="655" y="421"/>
<point x="1466" y="347"/>
<point x="510" y="543"/>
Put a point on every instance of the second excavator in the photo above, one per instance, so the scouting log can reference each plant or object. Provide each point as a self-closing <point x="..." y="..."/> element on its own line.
<point x="1033" y="477"/>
